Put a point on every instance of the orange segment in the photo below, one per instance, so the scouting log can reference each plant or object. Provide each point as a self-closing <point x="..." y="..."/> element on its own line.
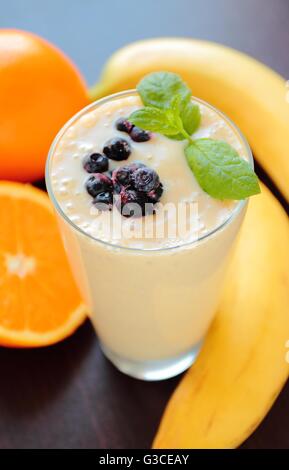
<point x="39" y="301"/>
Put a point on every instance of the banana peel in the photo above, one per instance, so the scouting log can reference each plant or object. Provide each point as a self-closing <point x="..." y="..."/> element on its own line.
<point x="242" y="366"/>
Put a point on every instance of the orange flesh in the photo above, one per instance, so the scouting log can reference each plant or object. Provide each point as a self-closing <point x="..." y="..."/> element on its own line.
<point x="38" y="295"/>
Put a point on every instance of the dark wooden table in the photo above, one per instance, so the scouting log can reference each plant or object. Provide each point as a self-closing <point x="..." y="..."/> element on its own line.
<point x="69" y="395"/>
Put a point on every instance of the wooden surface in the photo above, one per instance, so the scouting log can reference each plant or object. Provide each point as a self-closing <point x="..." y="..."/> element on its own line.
<point x="68" y="395"/>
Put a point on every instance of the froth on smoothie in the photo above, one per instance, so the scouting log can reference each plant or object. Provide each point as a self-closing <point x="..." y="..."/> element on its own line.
<point x="184" y="214"/>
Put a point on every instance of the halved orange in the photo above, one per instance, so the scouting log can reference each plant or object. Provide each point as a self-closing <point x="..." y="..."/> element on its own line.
<point x="39" y="301"/>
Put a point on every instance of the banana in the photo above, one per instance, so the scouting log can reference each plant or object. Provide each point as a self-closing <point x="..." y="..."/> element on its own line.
<point x="242" y="367"/>
<point x="251" y="94"/>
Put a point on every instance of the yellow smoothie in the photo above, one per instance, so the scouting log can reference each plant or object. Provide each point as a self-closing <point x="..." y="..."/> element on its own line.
<point x="150" y="298"/>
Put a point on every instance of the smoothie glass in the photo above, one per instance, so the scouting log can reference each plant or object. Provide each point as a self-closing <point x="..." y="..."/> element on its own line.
<point x="150" y="308"/>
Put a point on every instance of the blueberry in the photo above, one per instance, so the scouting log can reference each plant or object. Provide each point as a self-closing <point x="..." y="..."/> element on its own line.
<point x="117" y="187"/>
<point x="95" y="163"/>
<point x="145" y="179"/>
<point x="103" y="201"/>
<point x="155" y="194"/>
<point x="132" y="203"/>
<point x="97" y="184"/>
<point x="136" y="165"/>
<point x="124" y="175"/>
<point x="139" y="135"/>
<point x="117" y="149"/>
<point x="124" y="125"/>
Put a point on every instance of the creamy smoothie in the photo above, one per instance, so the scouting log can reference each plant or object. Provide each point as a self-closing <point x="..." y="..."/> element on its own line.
<point x="151" y="289"/>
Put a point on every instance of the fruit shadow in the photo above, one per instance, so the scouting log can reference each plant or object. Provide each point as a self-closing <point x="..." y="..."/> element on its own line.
<point x="33" y="378"/>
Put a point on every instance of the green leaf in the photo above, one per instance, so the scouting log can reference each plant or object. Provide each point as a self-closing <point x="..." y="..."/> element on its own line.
<point x="157" y="89"/>
<point x="174" y="112"/>
<point x="220" y="171"/>
<point x="191" y="118"/>
<point x="155" y="120"/>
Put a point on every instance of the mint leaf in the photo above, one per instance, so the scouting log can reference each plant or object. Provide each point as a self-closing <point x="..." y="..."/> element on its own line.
<point x="191" y="118"/>
<point x="157" y="89"/>
<point x="174" y="112"/>
<point x="155" y="120"/>
<point x="220" y="171"/>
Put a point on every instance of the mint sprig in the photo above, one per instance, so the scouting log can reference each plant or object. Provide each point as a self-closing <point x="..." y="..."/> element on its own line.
<point x="159" y="89"/>
<point x="217" y="166"/>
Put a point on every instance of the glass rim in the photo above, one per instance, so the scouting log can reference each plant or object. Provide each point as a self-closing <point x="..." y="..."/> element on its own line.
<point x="241" y="204"/>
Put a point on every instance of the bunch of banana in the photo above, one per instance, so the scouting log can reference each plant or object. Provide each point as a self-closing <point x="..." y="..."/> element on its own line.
<point x="242" y="367"/>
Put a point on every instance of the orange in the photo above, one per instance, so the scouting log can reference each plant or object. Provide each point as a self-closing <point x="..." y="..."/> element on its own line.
<point x="39" y="302"/>
<point x="40" y="89"/>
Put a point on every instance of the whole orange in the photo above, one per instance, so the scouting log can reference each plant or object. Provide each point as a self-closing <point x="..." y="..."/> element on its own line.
<point x="40" y="88"/>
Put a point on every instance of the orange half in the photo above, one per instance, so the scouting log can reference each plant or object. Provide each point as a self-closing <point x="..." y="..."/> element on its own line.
<point x="39" y="301"/>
